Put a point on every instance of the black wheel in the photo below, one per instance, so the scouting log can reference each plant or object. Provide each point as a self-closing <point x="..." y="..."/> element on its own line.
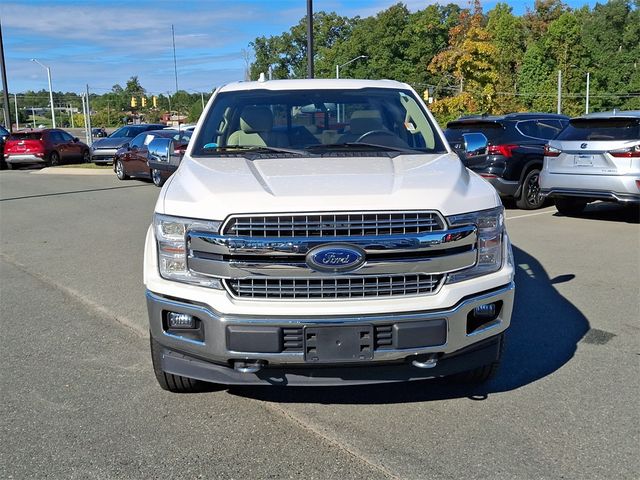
<point x="531" y="198"/>
<point x="119" y="168"/>
<point x="156" y="177"/>
<point x="168" y="381"/>
<point x="570" y="206"/>
<point x="86" y="156"/>
<point x="480" y="374"/>
<point x="54" y="159"/>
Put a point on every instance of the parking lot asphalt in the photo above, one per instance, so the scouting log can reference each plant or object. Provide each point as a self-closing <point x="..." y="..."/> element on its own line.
<point x="78" y="397"/>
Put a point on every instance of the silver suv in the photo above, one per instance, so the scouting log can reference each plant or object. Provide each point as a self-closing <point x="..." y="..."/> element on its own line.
<point x="597" y="157"/>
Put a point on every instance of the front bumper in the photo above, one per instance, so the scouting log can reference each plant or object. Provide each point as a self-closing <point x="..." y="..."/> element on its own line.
<point x="618" y="188"/>
<point x="105" y="155"/>
<point x="212" y="359"/>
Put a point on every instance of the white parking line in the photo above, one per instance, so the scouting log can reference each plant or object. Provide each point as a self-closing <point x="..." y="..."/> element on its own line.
<point x="531" y="214"/>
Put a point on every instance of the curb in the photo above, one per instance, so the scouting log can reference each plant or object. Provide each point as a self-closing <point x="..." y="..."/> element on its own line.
<point x="72" y="171"/>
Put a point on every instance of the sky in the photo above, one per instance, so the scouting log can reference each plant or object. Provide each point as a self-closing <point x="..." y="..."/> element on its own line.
<point x="101" y="44"/>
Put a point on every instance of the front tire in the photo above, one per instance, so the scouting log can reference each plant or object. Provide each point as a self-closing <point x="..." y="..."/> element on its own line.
<point x="119" y="168"/>
<point x="531" y="198"/>
<point x="86" y="157"/>
<point x="169" y="381"/>
<point x="570" y="206"/>
<point x="156" y="177"/>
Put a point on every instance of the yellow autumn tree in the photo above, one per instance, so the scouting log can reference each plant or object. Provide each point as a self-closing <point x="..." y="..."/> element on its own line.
<point x="470" y="59"/>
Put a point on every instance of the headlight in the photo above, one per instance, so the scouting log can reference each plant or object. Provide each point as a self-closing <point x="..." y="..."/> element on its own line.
<point x="172" y="248"/>
<point x="490" y="224"/>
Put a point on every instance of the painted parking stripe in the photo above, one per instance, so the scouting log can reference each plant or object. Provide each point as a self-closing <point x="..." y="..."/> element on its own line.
<point x="531" y="214"/>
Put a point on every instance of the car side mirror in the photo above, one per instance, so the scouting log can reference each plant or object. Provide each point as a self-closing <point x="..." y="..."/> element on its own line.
<point x="475" y="144"/>
<point x="76" y="139"/>
<point x="162" y="154"/>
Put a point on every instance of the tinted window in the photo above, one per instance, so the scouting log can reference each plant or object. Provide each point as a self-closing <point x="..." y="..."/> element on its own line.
<point x="492" y="130"/>
<point x="65" y="136"/>
<point x="3" y="132"/>
<point x="55" y="137"/>
<point x="26" y="136"/>
<point x="138" y="141"/>
<point x="543" y="129"/>
<point x="601" y="129"/>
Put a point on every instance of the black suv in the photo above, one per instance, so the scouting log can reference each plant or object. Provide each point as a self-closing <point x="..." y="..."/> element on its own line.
<point x="515" y="154"/>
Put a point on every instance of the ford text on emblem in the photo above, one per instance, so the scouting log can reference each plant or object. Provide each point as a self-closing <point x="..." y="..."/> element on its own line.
<point x="335" y="258"/>
<point x="584" y="145"/>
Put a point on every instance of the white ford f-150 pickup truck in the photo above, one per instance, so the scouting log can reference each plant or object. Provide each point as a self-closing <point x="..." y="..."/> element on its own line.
<point x="323" y="232"/>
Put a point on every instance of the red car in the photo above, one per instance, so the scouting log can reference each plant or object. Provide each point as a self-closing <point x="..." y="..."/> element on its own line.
<point x="131" y="159"/>
<point x="50" y="147"/>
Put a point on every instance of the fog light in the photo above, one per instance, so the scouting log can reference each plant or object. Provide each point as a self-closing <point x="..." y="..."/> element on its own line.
<point x="487" y="311"/>
<point x="180" y="320"/>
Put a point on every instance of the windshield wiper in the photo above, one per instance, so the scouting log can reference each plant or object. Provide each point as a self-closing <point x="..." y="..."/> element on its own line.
<point x="350" y="145"/>
<point x="253" y="149"/>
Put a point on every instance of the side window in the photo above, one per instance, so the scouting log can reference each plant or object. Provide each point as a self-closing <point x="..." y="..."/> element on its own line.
<point x="548" y="129"/>
<point x="138" y="141"/>
<point x="528" y="128"/>
<point x="55" y="137"/>
<point x="65" y="137"/>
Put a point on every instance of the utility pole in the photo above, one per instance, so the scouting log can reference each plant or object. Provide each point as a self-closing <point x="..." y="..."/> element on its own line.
<point x="559" y="92"/>
<point x="53" y="111"/>
<point x="33" y="116"/>
<point x="587" y="102"/>
<point x="15" y="104"/>
<point x="5" y="87"/>
<point x="89" y="118"/>
<point x="309" y="38"/>
<point x="202" y="98"/>
<point x="175" y="64"/>
<point x="71" y="115"/>
<point x="84" y="115"/>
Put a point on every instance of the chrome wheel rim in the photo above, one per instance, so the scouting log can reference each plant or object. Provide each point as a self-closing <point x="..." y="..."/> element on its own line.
<point x="119" y="169"/>
<point x="155" y="176"/>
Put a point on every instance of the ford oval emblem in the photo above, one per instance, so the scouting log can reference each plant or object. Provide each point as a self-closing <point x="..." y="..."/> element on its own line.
<point x="335" y="258"/>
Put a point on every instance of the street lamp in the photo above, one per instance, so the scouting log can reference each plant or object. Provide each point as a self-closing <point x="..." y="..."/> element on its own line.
<point x="53" y="114"/>
<point x="338" y="67"/>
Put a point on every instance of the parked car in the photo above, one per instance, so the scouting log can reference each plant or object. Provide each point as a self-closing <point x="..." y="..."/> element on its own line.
<point x="4" y="134"/>
<point x="514" y="158"/>
<point x="597" y="157"/>
<point x="98" y="132"/>
<point x="278" y="255"/>
<point x="104" y="150"/>
<point x="132" y="160"/>
<point x="49" y="147"/>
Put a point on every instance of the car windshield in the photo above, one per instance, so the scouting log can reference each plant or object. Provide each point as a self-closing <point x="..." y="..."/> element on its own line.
<point x="601" y="129"/>
<point x="317" y="122"/>
<point x="126" y="132"/>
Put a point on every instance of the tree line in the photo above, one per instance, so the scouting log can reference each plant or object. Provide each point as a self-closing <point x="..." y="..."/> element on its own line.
<point x="470" y="61"/>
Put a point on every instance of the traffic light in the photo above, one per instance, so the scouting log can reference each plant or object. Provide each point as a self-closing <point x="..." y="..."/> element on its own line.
<point x="155" y="101"/>
<point x="134" y="102"/>
<point x="143" y="101"/>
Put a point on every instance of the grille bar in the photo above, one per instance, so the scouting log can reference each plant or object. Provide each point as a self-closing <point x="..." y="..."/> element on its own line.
<point x="326" y="288"/>
<point x="347" y="224"/>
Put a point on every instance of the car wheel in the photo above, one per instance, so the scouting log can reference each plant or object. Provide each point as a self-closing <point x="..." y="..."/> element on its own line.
<point x="570" y="206"/>
<point x="531" y="198"/>
<point x="86" y="156"/>
<point x="54" y="160"/>
<point x="169" y="381"/>
<point x="156" y="177"/>
<point x="479" y="374"/>
<point x="119" y="168"/>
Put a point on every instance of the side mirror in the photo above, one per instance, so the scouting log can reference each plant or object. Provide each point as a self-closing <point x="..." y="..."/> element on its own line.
<point x="475" y="144"/>
<point x="76" y="139"/>
<point x="162" y="154"/>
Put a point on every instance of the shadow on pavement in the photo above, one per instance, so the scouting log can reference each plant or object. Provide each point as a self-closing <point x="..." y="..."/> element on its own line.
<point x="545" y="329"/>
<point x="610" y="212"/>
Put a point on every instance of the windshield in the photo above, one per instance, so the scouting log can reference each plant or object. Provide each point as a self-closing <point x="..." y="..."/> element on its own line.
<point x="317" y="121"/>
<point x="601" y="129"/>
<point x="128" y="132"/>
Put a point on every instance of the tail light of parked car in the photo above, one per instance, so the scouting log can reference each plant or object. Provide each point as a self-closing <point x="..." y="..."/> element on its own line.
<point x="551" y="151"/>
<point x="505" y="149"/>
<point x="630" y="152"/>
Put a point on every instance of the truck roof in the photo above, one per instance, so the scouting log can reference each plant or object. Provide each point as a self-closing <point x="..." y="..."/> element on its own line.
<point x="313" y="84"/>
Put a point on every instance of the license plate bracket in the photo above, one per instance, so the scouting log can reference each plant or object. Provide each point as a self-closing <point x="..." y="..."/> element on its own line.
<point x="332" y="344"/>
<point x="583" y="160"/>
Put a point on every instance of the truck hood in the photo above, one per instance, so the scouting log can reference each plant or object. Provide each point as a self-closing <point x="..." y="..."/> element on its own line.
<point x="215" y="187"/>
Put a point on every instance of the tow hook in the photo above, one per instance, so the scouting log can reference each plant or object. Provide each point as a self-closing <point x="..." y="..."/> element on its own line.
<point x="429" y="362"/>
<point x="248" y="366"/>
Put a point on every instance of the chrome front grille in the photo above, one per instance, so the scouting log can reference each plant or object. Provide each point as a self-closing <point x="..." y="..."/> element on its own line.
<point x="339" y="287"/>
<point x="334" y="224"/>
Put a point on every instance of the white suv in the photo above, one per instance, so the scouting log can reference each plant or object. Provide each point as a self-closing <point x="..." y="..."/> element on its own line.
<point x="322" y="232"/>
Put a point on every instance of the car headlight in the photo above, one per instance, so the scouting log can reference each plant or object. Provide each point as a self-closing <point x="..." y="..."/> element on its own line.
<point x="490" y="225"/>
<point x="172" y="248"/>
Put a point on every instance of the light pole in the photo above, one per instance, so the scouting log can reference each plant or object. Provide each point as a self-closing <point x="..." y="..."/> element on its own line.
<point x="53" y="113"/>
<point x="338" y="67"/>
